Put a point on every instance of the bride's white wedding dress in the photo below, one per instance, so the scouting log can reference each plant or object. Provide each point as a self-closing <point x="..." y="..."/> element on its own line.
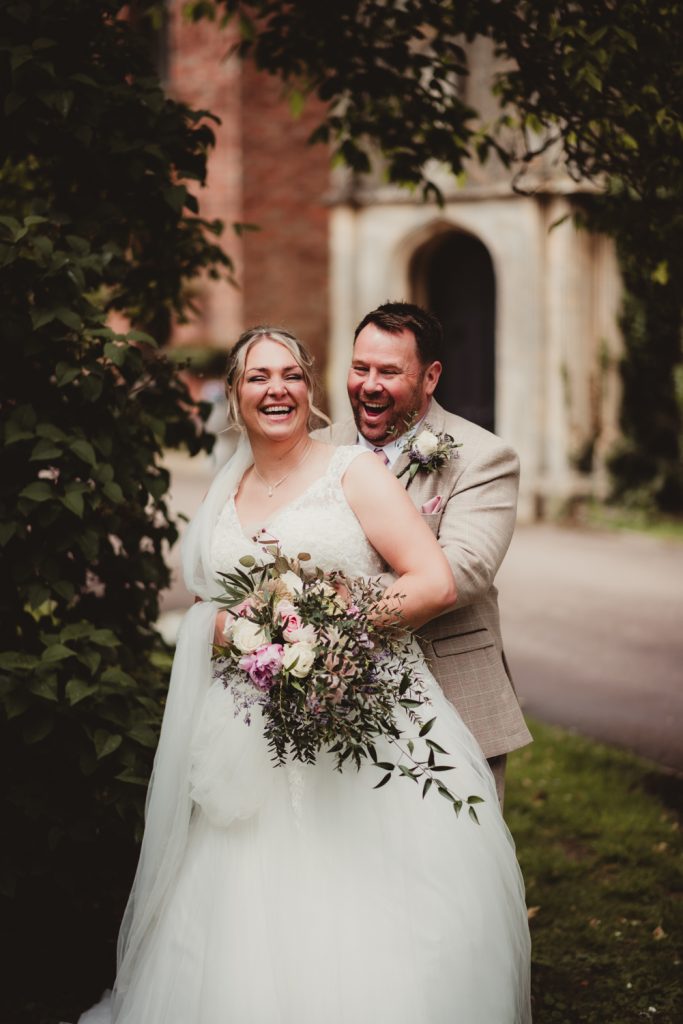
<point x="301" y="895"/>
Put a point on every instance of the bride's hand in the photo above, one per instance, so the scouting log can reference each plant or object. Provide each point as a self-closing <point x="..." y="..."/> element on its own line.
<point x="218" y="633"/>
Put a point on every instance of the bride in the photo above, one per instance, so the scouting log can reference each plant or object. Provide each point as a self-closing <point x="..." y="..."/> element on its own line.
<point x="298" y="894"/>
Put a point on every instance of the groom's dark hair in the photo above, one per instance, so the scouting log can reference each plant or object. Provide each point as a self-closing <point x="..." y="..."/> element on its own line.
<point x="394" y="317"/>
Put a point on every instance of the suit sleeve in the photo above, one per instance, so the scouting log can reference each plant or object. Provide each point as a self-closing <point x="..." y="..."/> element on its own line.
<point x="478" y="521"/>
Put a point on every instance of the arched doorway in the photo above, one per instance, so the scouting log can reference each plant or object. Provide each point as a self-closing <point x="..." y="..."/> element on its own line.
<point x="452" y="275"/>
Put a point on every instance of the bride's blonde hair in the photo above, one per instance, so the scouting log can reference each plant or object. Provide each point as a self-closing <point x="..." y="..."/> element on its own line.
<point x="237" y="361"/>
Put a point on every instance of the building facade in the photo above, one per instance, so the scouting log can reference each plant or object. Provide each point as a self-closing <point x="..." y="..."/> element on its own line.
<point x="529" y="302"/>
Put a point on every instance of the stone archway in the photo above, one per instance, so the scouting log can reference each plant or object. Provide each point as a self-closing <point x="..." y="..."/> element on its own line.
<point x="452" y="275"/>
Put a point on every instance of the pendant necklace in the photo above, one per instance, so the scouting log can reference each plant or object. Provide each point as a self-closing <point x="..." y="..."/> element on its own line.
<point x="271" y="487"/>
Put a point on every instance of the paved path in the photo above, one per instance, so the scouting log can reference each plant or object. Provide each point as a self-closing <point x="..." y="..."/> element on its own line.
<point x="593" y="627"/>
<point x="592" y="621"/>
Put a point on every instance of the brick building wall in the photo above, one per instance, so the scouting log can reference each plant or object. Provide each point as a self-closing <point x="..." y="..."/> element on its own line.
<point x="262" y="172"/>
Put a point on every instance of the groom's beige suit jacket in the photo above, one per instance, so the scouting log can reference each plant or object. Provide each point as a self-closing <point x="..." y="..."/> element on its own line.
<point x="474" y="524"/>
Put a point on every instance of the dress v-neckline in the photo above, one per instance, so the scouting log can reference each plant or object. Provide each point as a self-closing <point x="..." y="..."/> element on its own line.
<point x="251" y="535"/>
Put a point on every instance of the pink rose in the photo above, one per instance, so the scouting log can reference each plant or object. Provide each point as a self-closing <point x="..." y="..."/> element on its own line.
<point x="291" y="625"/>
<point x="263" y="665"/>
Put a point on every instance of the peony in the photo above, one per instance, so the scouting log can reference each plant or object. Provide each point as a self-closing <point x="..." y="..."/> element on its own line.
<point x="426" y="443"/>
<point x="283" y="608"/>
<point x="298" y="658"/>
<point x="292" y="582"/>
<point x="248" y="635"/>
<point x="263" y="665"/>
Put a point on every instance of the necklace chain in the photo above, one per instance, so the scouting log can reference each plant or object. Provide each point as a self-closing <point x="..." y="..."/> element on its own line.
<point x="271" y="487"/>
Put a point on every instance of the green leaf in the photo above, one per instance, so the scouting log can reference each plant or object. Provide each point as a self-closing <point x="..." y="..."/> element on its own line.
<point x="38" y="491"/>
<point x="12" y="660"/>
<point x="142" y="337"/>
<point x="51" y="432"/>
<point x="660" y="275"/>
<point x="7" y="531"/>
<point x="104" y="638"/>
<point x="113" y="491"/>
<point x="45" y="687"/>
<point x="383" y="781"/>
<point x="473" y="815"/>
<point x="106" y="743"/>
<point x="116" y="351"/>
<point x="91" y="660"/>
<point x="35" y="731"/>
<point x="297" y="101"/>
<point x="175" y="196"/>
<point x="84" y="450"/>
<point x="17" y="704"/>
<point x="117" y="675"/>
<point x="15" y="431"/>
<point x="76" y="631"/>
<point x="44" y="450"/>
<point x="75" y="503"/>
<point x="427" y="727"/>
<point x="66" y="374"/>
<point x="57" y="652"/>
<point x="131" y="777"/>
<point x="78" y="689"/>
<point x="143" y="735"/>
<point x="69" y="318"/>
<point x="427" y="786"/>
<point x="475" y="799"/>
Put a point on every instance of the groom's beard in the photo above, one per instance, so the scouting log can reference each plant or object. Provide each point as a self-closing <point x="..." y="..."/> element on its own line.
<point x="394" y="420"/>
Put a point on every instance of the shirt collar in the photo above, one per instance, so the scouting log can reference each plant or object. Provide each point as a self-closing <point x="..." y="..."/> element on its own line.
<point x="393" y="449"/>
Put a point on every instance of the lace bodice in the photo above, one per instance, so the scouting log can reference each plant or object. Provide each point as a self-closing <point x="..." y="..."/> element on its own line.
<point x="320" y="521"/>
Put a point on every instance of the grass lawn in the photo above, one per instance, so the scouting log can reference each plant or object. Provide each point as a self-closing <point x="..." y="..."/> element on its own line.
<point x="615" y="517"/>
<point x="599" y="840"/>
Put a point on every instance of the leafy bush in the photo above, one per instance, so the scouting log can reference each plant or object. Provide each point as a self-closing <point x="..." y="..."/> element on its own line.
<point x="95" y="217"/>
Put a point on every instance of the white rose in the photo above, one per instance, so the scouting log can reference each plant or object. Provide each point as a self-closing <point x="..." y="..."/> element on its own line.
<point x="294" y="583"/>
<point x="426" y="443"/>
<point x="303" y="654"/>
<point x="248" y="635"/>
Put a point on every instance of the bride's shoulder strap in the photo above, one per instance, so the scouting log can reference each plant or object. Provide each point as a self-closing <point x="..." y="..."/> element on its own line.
<point x="343" y="456"/>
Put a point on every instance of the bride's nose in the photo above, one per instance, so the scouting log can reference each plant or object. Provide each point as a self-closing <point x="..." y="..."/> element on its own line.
<point x="276" y="387"/>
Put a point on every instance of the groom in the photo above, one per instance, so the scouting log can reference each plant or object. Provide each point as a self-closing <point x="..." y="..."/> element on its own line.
<point x="469" y="503"/>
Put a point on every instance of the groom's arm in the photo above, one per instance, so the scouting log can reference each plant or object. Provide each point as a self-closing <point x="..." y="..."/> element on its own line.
<point x="477" y="524"/>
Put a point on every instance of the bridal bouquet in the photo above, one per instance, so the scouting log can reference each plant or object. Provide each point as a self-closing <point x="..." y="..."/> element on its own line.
<point x="303" y="645"/>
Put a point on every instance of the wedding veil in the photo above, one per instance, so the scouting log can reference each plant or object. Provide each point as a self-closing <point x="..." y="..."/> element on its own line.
<point x="169" y="801"/>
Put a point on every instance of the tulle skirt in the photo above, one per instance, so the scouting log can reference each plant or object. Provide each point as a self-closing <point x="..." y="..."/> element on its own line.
<point x="335" y="902"/>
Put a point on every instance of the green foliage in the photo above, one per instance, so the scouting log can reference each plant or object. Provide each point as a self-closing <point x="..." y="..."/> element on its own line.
<point x="387" y="72"/>
<point x="599" y="841"/>
<point x="603" y="79"/>
<point x="95" y="216"/>
<point x="646" y="464"/>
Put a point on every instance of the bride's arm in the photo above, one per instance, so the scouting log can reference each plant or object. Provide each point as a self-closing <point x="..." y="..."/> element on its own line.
<point x="396" y="530"/>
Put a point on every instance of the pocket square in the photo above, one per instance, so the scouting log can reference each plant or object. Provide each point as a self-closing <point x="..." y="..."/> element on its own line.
<point x="431" y="506"/>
